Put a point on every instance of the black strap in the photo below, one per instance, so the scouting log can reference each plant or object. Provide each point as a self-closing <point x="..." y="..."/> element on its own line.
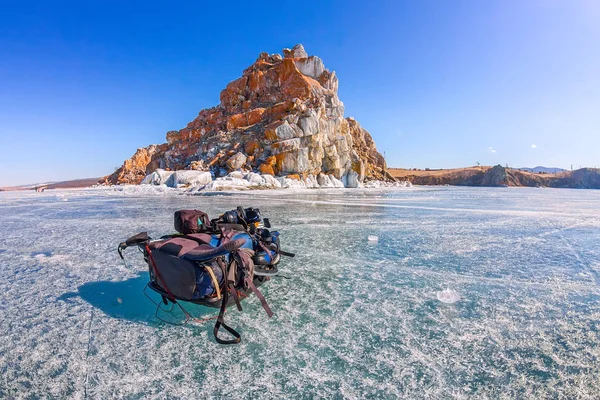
<point x="229" y="329"/>
<point x="287" y="254"/>
<point x="220" y="322"/>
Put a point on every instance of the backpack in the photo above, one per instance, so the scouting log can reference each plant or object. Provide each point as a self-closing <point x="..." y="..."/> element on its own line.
<point x="214" y="268"/>
<point x="191" y="221"/>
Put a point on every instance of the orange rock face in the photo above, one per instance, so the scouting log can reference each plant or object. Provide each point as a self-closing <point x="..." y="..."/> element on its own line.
<point x="267" y="167"/>
<point x="251" y="147"/>
<point x="134" y="169"/>
<point x="245" y="119"/>
<point x="283" y="115"/>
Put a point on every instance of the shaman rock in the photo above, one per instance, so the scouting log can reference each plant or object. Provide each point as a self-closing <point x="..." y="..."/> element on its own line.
<point x="281" y="117"/>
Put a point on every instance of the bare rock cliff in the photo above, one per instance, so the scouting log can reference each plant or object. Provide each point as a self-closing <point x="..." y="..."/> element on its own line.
<point x="281" y="117"/>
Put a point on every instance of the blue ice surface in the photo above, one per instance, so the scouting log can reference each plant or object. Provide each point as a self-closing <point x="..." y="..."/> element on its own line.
<point x="358" y="319"/>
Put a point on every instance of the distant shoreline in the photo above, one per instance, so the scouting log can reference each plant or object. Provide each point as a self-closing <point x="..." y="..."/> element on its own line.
<point x="72" y="184"/>
<point x="487" y="176"/>
<point x="584" y="178"/>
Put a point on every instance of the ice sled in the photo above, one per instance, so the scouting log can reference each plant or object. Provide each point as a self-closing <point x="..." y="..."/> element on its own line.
<point x="214" y="263"/>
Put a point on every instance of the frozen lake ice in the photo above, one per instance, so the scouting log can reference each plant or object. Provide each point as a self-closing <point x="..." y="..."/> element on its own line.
<point x="359" y="319"/>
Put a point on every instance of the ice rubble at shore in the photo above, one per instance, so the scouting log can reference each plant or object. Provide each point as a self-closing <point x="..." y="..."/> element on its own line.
<point x="199" y="181"/>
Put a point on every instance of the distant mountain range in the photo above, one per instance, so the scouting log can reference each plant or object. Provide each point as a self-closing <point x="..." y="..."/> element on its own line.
<point x="543" y="170"/>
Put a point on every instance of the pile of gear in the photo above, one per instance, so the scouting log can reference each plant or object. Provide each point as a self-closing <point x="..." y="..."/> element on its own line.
<point x="214" y="263"/>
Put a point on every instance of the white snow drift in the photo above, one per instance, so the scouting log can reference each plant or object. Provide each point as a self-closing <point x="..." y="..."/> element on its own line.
<point x="195" y="181"/>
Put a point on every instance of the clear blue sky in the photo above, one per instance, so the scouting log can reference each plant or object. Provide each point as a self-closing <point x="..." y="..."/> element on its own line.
<point x="437" y="83"/>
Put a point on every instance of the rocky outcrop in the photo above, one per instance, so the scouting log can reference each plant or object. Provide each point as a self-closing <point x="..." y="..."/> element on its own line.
<point x="495" y="176"/>
<point x="282" y="117"/>
<point x="585" y="178"/>
<point x="134" y="169"/>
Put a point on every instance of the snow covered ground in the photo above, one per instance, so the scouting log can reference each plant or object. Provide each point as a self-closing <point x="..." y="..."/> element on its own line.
<point x="360" y="318"/>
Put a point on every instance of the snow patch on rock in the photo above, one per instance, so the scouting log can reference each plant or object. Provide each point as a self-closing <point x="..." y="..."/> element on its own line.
<point x="186" y="178"/>
<point x="158" y="177"/>
<point x="200" y="181"/>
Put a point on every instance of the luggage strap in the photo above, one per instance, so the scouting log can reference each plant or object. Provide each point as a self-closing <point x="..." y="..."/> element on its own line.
<point x="220" y="322"/>
<point x="249" y="279"/>
<point x="235" y="295"/>
<point x="260" y="296"/>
